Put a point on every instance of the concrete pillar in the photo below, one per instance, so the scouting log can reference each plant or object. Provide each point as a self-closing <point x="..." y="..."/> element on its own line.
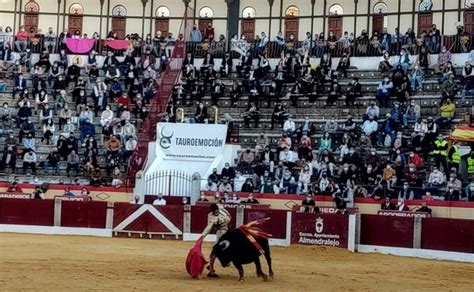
<point x="187" y="219"/>
<point x="417" y="232"/>
<point x="233" y="14"/>
<point x="109" y="219"/>
<point x="239" y="217"/>
<point x="352" y="236"/>
<point x="57" y="212"/>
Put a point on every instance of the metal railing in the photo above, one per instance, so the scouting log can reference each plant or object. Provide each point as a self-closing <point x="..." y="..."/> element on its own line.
<point x="359" y="47"/>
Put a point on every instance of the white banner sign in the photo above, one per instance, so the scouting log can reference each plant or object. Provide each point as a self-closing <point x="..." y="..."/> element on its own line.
<point x="190" y="142"/>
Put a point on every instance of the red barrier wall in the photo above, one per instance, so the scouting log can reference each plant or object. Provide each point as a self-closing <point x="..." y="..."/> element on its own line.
<point x="320" y="229"/>
<point x="83" y="214"/>
<point x="27" y="212"/>
<point x="199" y="218"/>
<point x="276" y="226"/>
<point x="387" y="231"/>
<point x="140" y="219"/>
<point x="447" y="234"/>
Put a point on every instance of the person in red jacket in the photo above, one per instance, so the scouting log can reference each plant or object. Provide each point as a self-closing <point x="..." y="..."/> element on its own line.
<point x="123" y="100"/>
<point x="21" y="40"/>
<point x="14" y="188"/>
<point x="415" y="159"/>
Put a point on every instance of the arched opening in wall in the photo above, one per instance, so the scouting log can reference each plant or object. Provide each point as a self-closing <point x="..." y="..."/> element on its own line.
<point x="425" y="16"/>
<point x="205" y="23"/>
<point x="292" y="21"/>
<point x="162" y="21"/>
<point x="247" y="24"/>
<point x="469" y="17"/>
<point x="75" y="18"/>
<point x="335" y="20"/>
<point x="119" y="21"/>
<point x="31" y="16"/>
<point x="379" y="18"/>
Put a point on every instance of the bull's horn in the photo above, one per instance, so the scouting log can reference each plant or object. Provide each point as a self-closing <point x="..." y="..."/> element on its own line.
<point x="224" y="244"/>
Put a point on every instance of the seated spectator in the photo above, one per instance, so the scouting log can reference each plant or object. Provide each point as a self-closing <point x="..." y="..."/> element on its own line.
<point x="38" y="194"/>
<point x="72" y="163"/>
<point x="309" y="203"/>
<point x="48" y="131"/>
<point x="288" y="158"/>
<point x="405" y="60"/>
<point x="159" y="201"/>
<point x="369" y="128"/>
<point x="384" y="91"/>
<point x="252" y="113"/>
<point x="52" y="161"/>
<point x="387" y="204"/>
<point x="247" y="159"/>
<point x="279" y="114"/>
<point x="447" y="112"/>
<point x="29" y="161"/>
<point x="401" y="205"/>
<point x="424" y="208"/>
<point x="113" y="146"/>
<point x="289" y="127"/>
<point x="117" y="180"/>
<point x="443" y="58"/>
<point x="251" y="199"/>
<point x="211" y="186"/>
<point x="29" y="143"/>
<point x="412" y="113"/>
<point x="325" y="143"/>
<point x="248" y="186"/>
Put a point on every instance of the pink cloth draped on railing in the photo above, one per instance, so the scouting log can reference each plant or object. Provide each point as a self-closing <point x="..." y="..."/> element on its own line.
<point x="80" y="46"/>
<point x="118" y="44"/>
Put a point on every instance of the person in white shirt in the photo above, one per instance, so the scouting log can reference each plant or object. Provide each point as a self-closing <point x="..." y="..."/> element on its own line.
<point x="373" y="110"/>
<point x="436" y="178"/>
<point x="159" y="201"/>
<point x="370" y="127"/>
<point x="304" y="180"/>
<point x="289" y="127"/>
<point x="210" y="186"/>
<point x="239" y="181"/>
<point x="106" y="116"/>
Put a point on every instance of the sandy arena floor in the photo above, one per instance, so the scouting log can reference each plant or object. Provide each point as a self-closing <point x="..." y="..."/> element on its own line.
<point x="59" y="263"/>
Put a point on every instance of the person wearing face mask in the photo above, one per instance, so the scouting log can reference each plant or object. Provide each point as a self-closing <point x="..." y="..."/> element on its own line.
<point x="228" y="172"/>
<point x="246" y="161"/>
<point x="384" y="91"/>
<point x="440" y="153"/>
<point x="467" y="80"/>
<point x="443" y="58"/>
<point x="370" y="128"/>
<point x="354" y="91"/>
<point x="304" y="180"/>
<point x="211" y="186"/>
<point x="387" y="204"/>
<point x="406" y="193"/>
<point x="287" y="184"/>
<point x="401" y="206"/>
<point x="469" y="193"/>
<point x="202" y="198"/>
<point x="310" y="204"/>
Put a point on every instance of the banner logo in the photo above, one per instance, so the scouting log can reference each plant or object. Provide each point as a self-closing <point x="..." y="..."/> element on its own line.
<point x="165" y="141"/>
<point x="319" y="226"/>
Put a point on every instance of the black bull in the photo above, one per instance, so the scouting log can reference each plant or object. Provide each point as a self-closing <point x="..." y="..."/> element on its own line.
<point x="235" y="247"/>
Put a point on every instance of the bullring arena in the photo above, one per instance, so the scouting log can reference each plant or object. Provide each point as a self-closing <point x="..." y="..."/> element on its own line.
<point x="55" y="263"/>
<point x="142" y="140"/>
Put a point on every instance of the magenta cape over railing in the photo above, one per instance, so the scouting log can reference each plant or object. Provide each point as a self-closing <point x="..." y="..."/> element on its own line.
<point x="80" y="46"/>
<point x="118" y="44"/>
